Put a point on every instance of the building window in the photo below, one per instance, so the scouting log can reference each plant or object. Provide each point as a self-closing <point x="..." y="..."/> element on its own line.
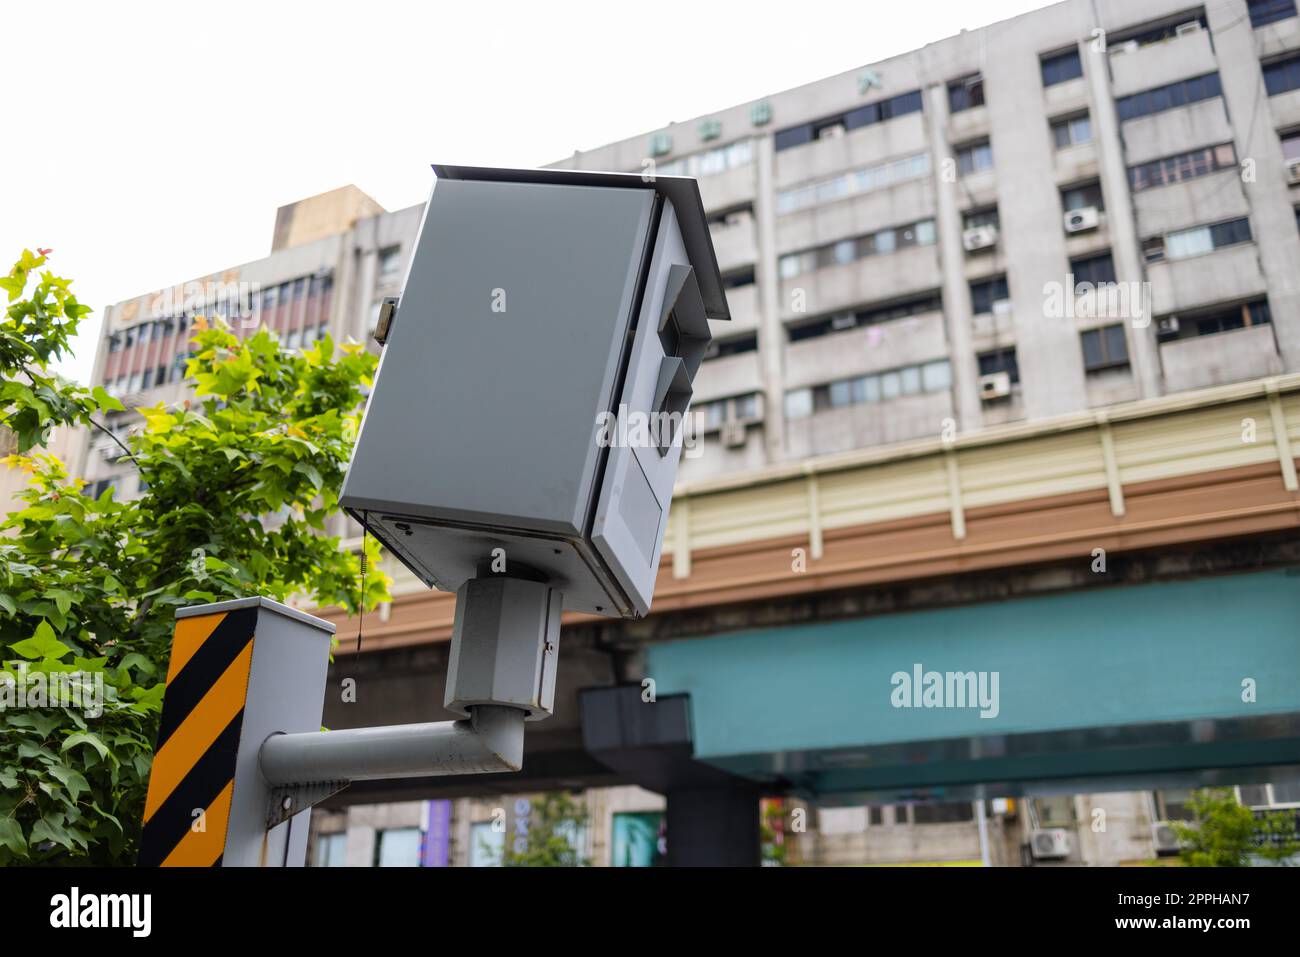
<point x="1291" y="147"/>
<point x="1000" y="360"/>
<point x="1263" y="12"/>
<point x="980" y="217"/>
<point x="1081" y="197"/>
<point x="1104" y="348"/>
<point x="933" y="376"/>
<point x="865" y="316"/>
<point x="846" y="251"/>
<point x="114" y="342"/>
<point x="711" y="416"/>
<point x="1096" y="270"/>
<point x="1182" y="93"/>
<point x="390" y="261"/>
<point x="1072" y="131"/>
<point x="974" y="158"/>
<point x="1208" y="323"/>
<point x="1282" y="75"/>
<point x="966" y="93"/>
<point x="486" y="845"/>
<point x="1061" y="67"/>
<point x="840" y="123"/>
<point x="946" y="812"/>
<point x="331" y="850"/>
<point x="865" y="180"/>
<point x="1172" y="804"/>
<point x="732" y="347"/>
<point x="1270" y="795"/>
<point x="1184" y="166"/>
<point x="706" y="163"/>
<point x="1053" y="811"/>
<point x="1186" y="243"/>
<point x="638" y="839"/>
<point x="798" y="403"/>
<point x="1168" y="29"/>
<point x="738" y="278"/>
<point x="398" y="847"/>
<point x="986" y="292"/>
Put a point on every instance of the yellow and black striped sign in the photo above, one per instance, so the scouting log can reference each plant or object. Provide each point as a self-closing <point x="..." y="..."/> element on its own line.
<point x="198" y="740"/>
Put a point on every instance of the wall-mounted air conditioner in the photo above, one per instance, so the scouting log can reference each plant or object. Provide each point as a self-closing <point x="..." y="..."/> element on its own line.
<point x="1293" y="173"/>
<point x="843" y="320"/>
<point x="1185" y="29"/>
<point x="1049" y="844"/>
<point x="995" y="385"/>
<point x="1165" y="838"/>
<point x="1082" y="219"/>
<point x="979" y="237"/>
<point x="1168" y="326"/>
<point x="733" y="434"/>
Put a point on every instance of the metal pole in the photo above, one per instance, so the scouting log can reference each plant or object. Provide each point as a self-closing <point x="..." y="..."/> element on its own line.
<point x="984" y="833"/>
<point x="492" y="740"/>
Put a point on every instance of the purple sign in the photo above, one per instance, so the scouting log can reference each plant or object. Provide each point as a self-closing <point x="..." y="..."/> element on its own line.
<point x="436" y="848"/>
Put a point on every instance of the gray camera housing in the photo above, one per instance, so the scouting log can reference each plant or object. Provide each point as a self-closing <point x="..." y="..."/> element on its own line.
<point x="544" y="311"/>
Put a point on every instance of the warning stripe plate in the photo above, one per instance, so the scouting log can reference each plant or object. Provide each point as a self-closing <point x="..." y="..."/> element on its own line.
<point x="187" y="807"/>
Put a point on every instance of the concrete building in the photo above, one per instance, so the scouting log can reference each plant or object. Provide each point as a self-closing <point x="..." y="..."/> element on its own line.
<point x="1086" y="207"/>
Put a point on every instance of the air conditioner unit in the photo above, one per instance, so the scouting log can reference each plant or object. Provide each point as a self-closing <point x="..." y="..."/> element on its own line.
<point x="831" y="132"/>
<point x="843" y="320"/>
<point x="1002" y="307"/>
<point x="1049" y="844"/>
<point x="1165" y="838"/>
<point x="733" y="434"/>
<point x="739" y="218"/>
<point x="1293" y="173"/>
<point x="1167" y="326"/>
<point x="995" y="385"/>
<point x="979" y="237"/>
<point x="1083" y="219"/>
<point x="1128" y="46"/>
<point x="1184" y="29"/>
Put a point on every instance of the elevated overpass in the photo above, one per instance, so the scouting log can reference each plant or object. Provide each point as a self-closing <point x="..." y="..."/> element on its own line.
<point x="1131" y="576"/>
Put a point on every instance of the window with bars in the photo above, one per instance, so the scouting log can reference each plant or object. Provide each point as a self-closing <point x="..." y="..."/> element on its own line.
<point x="1182" y="166"/>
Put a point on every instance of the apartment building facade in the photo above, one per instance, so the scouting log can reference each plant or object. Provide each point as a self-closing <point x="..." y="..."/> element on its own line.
<point x="1088" y="204"/>
<point x="920" y="244"/>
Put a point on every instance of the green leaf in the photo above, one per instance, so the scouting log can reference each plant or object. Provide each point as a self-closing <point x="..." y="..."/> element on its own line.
<point x="86" y="737"/>
<point x="105" y="402"/>
<point x="11" y="836"/>
<point x="50" y="828"/>
<point x="70" y="779"/>
<point x="43" y="644"/>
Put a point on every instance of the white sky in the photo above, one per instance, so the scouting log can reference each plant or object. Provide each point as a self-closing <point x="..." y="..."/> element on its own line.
<point x="151" y="143"/>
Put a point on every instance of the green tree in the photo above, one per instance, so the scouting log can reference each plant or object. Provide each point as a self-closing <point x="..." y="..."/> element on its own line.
<point x="556" y="823"/>
<point x="237" y="486"/>
<point x="1225" y="833"/>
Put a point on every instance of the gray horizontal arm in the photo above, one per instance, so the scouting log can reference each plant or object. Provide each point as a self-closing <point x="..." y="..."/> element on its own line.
<point x="492" y="740"/>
